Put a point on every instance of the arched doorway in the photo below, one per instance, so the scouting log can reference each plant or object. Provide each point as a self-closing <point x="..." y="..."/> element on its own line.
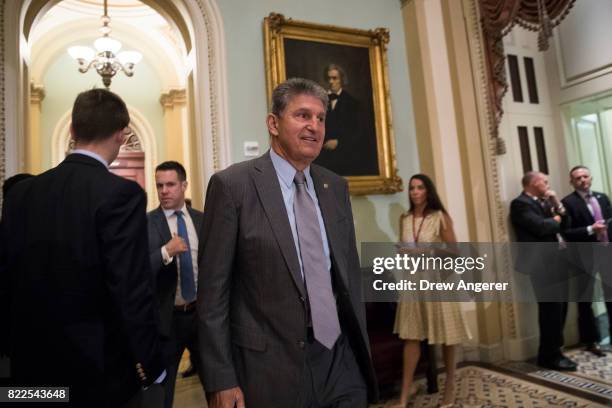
<point x="204" y="82"/>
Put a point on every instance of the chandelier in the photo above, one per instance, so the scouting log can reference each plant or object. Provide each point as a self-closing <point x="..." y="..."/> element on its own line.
<point x="104" y="58"/>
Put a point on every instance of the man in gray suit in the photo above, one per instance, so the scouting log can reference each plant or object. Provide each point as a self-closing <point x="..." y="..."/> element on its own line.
<point x="173" y="248"/>
<point x="281" y="321"/>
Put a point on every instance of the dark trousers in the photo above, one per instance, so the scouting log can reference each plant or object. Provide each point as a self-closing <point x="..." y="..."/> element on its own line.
<point x="551" y="319"/>
<point x="588" y="328"/>
<point x="587" y="323"/>
<point x="551" y="290"/>
<point x="184" y="335"/>
<point x="152" y="397"/>
<point x="332" y="378"/>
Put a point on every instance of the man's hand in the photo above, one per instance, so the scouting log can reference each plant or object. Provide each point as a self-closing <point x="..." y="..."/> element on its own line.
<point x="176" y="245"/>
<point x="331" y="144"/>
<point x="557" y="218"/>
<point x="551" y="196"/>
<point x="230" y="398"/>
<point x="599" y="227"/>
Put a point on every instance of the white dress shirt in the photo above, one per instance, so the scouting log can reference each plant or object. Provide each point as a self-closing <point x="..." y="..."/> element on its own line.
<point x="193" y="245"/>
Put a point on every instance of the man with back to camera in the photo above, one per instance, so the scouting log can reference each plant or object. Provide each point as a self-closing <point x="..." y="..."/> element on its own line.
<point x="588" y="211"/>
<point x="173" y="245"/>
<point x="75" y="262"/>
<point x="538" y="216"/>
<point x="281" y="319"/>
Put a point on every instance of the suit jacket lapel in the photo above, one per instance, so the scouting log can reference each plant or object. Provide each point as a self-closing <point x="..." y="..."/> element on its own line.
<point x="582" y="207"/>
<point x="196" y="218"/>
<point x="271" y="198"/>
<point x="328" y="206"/>
<point x="534" y="204"/>
<point x="161" y="224"/>
<point x="603" y="205"/>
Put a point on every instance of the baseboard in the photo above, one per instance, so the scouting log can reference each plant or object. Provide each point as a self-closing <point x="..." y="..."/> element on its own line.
<point x="521" y="349"/>
<point x="490" y="353"/>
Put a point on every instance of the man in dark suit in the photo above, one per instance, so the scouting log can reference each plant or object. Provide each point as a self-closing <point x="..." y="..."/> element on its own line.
<point x="282" y="323"/>
<point x="76" y="270"/>
<point x="173" y="246"/>
<point x="537" y="216"/>
<point x="588" y="211"/>
<point x="350" y="140"/>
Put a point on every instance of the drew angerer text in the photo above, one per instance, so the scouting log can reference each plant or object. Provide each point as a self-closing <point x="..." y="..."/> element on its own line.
<point x="423" y="284"/>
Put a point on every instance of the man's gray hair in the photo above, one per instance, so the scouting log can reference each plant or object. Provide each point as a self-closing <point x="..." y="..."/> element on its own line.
<point x="343" y="78"/>
<point x="286" y="91"/>
<point x="530" y="176"/>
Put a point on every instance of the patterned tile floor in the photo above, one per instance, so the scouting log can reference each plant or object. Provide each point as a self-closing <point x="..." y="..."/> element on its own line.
<point x="476" y="387"/>
<point x="592" y="367"/>
<point x="482" y="387"/>
<point x="594" y="374"/>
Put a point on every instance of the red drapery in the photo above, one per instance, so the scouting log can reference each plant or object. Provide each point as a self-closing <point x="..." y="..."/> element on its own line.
<point x="498" y="17"/>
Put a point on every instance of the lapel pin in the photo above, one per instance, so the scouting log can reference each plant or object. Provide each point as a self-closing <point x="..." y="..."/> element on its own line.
<point x="325" y="185"/>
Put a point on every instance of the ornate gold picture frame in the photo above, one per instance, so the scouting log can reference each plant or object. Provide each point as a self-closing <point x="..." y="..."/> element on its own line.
<point x="359" y="141"/>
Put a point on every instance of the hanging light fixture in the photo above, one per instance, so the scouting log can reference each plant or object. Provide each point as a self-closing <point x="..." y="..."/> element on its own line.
<point x="104" y="58"/>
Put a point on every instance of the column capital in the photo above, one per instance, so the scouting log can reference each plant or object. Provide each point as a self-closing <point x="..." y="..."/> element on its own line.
<point x="37" y="92"/>
<point x="173" y="97"/>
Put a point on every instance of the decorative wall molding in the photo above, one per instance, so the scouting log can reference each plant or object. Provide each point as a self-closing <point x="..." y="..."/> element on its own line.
<point x="488" y="128"/>
<point x="498" y="17"/>
<point x="173" y="97"/>
<point x="2" y="99"/>
<point x="212" y="133"/>
<point x="37" y="93"/>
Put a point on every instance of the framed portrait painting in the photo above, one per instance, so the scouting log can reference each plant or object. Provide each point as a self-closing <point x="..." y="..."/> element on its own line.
<point x="352" y="65"/>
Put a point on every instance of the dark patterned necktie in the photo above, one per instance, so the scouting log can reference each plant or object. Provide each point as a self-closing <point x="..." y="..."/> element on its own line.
<point x="323" y="311"/>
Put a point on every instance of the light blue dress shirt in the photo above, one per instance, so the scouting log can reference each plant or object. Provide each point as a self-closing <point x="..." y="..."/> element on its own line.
<point x="286" y="173"/>
<point x="92" y="155"/>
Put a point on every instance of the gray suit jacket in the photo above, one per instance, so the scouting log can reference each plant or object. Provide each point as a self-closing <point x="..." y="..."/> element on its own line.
<point x="166" y="275"/>
<point x="252" y="302"/>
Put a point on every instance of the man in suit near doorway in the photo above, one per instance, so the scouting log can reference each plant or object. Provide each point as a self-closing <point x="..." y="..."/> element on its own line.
<point x="75" y="264"/>
<point x="173" y="245"/>
<point x="538" y="216"/>
<point x="588" y="211"/>
<point x="282" y="323"/>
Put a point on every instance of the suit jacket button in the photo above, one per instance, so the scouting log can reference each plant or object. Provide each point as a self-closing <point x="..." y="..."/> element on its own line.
<point x="302" y="299"/>
<point x="301" y="344"/>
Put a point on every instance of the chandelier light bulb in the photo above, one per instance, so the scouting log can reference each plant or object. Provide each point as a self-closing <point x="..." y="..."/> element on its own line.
<point x="81" y="52"/>
<point x="107" y="44"/>
<point x="129" y="57"/>
<point x="104" y="58"/>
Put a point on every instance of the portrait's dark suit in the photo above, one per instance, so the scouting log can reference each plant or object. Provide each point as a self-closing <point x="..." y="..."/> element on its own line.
<point x="533" y="223"/>
<point x="355" y="154"/>
<point x="179" y="330"/>
<point x="252" y="302"/>
<point x="582" y="258"/>
<point x="79" y="285"/>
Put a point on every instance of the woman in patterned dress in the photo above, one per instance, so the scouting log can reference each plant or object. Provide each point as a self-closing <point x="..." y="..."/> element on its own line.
<point x="439" y="322"/>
